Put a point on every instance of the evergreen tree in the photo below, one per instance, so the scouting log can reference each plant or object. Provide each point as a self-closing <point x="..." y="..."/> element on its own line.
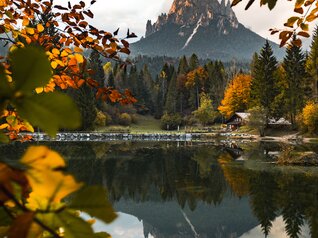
<point x="294" y="66"/>
<point x="312" y="63"/>
<point x="171" y="100"/>
<point x="183" y="67"/>
<point x="193" y="62"/>
<point x="98" y="72"/>
<point x="264" y="91"/>
<point x="111" y="80"/>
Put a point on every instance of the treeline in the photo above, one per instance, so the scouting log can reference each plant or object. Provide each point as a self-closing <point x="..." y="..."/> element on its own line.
<point x="190" y="91"/>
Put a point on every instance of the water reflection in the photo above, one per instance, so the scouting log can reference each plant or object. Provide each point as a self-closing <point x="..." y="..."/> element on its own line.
<point x="195" y="190"/>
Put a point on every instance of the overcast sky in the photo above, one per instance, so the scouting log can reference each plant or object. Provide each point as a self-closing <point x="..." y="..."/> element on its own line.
<point x="133" y="14"/>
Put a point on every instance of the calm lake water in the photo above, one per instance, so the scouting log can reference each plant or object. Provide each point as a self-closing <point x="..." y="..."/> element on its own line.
<point x="182" y="189"/>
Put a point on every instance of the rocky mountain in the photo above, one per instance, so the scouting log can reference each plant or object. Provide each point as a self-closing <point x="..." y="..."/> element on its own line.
<point x="208" y="28"/>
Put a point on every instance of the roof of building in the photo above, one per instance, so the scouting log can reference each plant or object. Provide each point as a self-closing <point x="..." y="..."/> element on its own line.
<point x="243" y="115"/>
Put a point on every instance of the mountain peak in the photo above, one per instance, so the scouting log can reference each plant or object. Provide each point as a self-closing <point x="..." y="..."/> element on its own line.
<point x="193" y="12"/>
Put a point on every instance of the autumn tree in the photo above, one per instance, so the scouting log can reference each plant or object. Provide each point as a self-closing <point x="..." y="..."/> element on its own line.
<point x="236" y="96"/>
<point x="205" y="114"/>
<point x="308" y="119"/>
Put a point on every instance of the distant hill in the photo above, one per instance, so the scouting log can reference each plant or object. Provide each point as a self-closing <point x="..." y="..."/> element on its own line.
<point x="205" y="27"/>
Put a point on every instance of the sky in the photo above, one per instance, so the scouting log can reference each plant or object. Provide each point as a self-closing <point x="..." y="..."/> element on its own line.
<point x="133" y="14"/>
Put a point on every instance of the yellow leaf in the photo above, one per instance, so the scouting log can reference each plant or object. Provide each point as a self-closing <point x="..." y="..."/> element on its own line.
<point x="64" y="53"/>
<point x="40" y="28"/>
<point x="41" y="157"/>
<point x="54" y="64"/>
<point x="4" y="126"/>
<point x="39" y="90"/>
<point x="79" y="58"/>
<point x="25" y="22"/>
<point x="30" y="31"/>
<point x="55" y="51"/>
<point x="78" y="50"/>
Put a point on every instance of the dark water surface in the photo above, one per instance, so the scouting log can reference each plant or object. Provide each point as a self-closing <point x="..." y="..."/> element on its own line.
<point x="171" y="189"/>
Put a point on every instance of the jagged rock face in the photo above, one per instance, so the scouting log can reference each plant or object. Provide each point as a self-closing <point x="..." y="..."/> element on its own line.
<point x="208" y="28"/>
<point x="196" y="12"/>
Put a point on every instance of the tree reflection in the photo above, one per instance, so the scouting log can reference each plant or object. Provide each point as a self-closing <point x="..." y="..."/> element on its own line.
<point x="192" y="175"/>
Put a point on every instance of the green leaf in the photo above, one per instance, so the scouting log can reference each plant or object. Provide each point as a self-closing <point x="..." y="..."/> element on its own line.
<point x="271" y="4"/>
<point x="93" y="200"/>
<point x="5" y="90"/>
<point x="5" y="220"/>
<point x="30" y="69"/>
<point x="3" y="138"/>
<point x="102" y="235"/>
<point x="73" y="225"/>
<point x="49" y="111"/>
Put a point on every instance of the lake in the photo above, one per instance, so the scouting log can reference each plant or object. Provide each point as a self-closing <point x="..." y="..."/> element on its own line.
<point x="187" y="189"/>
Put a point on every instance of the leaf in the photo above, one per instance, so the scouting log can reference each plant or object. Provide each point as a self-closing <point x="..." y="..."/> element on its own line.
<point x="102" y="235"/>
<point x="49" y="111"/>
<point x="21" y="225"/>
<point x="271" y="4"/>
<point x="73" y="226"/>
<point x="235" y="2"/>
<point x="116" y="32"/>
<point x="93" y="200"/>
<point x="5" y="220"/>
<point x="40" y="28"/>
<point x="30" y="69"/>
<point x="291" y="21"/>
<point x="5" y="89"/>
<point x="42" y="158"/>
<point x="303" y="34"/>
<point x="3" y="138"/>
<point x="248" y="4"/>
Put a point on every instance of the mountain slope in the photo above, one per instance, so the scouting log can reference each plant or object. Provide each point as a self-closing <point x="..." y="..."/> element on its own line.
<point x="205" y="27"/>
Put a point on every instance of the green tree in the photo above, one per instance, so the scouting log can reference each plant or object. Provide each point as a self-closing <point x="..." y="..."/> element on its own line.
<point x="294" y="66"/>
<point x="171" y="100"/>
<point x="264" y="87"/>
<point x="193" y="62"/>
<point x="205" y="114"/>
<point x="257" y="119"/>
<point x="312" y="63"/>
<point x="183" y="67"/>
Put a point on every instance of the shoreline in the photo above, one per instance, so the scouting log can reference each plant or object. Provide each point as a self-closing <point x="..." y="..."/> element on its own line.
<point x="176" y="136"/>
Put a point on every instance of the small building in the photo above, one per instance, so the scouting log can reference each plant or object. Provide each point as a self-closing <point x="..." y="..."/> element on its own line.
<point x="237" y="120"/>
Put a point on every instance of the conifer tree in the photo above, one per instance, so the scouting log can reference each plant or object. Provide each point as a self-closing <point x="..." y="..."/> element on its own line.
<point x="183" y="67"/>
<point x="312" y="63"/>
<point x="264" y="91"/>
<point x="193" y="62"/>
<point x="171" y="100"/>
<point x="294" y="66"/>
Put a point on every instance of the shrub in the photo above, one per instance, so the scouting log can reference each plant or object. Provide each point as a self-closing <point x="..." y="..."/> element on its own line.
<point x="100" y="119"/>
<point x="170" y="121"/>
<point x="124" y="119"/>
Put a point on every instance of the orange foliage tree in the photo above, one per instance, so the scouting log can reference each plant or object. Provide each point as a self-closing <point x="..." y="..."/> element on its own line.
<point x="64" y="33"/>
<point x="237" y="95"/>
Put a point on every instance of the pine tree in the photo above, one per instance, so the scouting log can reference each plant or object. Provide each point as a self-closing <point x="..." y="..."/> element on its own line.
<point x="183" y="67"/>
<point x="312" y="63"/>
<point x="264" y="91"/>
<point x="193" y="62"/>
<point x="111" y="80"/>
<point x="171" y="100"/>
<point x="294" y="66"/>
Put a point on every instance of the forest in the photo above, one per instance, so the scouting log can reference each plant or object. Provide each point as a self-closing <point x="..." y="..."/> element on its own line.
<point x="188" y="90"/>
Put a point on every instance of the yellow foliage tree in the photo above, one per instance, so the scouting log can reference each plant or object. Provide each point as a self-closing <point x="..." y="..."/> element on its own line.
<point x="309" y="117"/>
<point x="237" y="95"/>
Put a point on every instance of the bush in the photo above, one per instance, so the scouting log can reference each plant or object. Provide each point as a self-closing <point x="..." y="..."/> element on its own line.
<point x="134" y="118"/>
<point x="100" y="119"/>
<point x="190" y="120"/>
<point x="124" y="119"/>
<point x="170" y="121"/>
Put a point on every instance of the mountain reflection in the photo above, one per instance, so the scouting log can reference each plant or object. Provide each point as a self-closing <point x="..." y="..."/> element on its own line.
<point x="181" y="190"/>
